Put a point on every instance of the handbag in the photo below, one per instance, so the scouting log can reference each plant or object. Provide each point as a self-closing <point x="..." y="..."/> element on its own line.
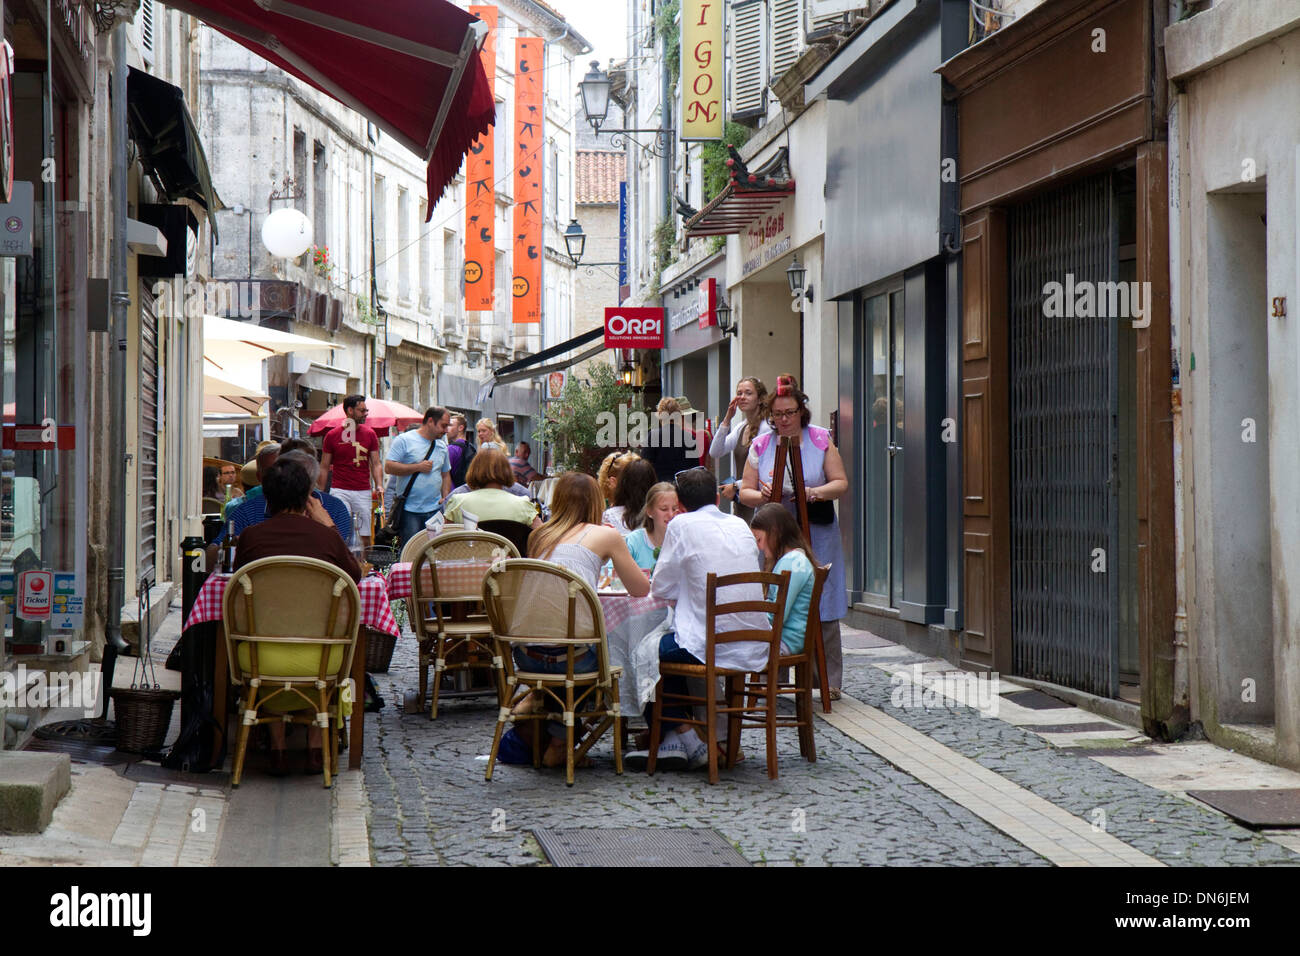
<point x="388" y="535"/>
<point x="821" y="512"/>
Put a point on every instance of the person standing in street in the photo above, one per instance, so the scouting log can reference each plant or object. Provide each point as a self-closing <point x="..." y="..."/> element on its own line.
<point x="459" y="450"/>
<point x="421" y="453"/>
<point x="351" y="459"/>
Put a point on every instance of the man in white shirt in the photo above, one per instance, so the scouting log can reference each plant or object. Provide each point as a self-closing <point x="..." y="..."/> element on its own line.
<point x="701" y="541"/>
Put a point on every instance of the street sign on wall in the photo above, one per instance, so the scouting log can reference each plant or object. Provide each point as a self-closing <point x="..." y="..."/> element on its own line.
<point x="702" y="77"/>
<point x="639" y="328"/>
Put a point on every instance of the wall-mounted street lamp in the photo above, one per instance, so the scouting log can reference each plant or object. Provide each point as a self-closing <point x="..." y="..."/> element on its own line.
<point x="575" y="243"/>
<point x="796" y="275"/>
<point x="725" y="323"/>
<point x="595" y="88"/>
<point x="285" y="232"/>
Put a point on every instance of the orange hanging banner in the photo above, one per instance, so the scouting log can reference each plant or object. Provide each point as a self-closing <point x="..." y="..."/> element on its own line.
<point x="481" y="176"/>
<point x="526" y="284"/>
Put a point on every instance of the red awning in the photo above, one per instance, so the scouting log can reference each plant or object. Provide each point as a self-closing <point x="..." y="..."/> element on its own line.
<point x="410" y="66"/>
<point x="734" y="209"/>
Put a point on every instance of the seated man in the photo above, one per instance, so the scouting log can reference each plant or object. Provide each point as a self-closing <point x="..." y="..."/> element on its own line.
<point x="695" y="543"/>
<point x="295" y="524"/>
<point x="253" y="510"/>
<point x="524" y="472"/>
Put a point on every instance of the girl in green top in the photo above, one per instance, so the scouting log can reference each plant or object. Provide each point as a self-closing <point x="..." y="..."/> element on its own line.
<point x="661" y="506"/>
<point x="784" y="548"/>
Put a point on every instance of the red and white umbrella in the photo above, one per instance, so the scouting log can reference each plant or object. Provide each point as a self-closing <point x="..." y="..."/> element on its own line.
<point x="382" y="416"/>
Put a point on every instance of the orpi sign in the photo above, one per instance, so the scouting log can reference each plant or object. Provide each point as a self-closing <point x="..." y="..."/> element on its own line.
<point x="640" y="328"/>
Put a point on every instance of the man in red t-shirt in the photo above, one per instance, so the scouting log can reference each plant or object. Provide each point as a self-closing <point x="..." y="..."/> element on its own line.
<point x="351" y="457"/>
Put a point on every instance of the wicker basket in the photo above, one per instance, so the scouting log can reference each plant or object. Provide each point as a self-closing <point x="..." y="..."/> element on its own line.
<point x="142" y="716"/>
<point x="379" y="650"/>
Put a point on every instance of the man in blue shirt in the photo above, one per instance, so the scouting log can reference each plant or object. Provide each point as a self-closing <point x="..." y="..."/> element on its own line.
<point x="408" y="455"/>
<point x="253" y="509"/>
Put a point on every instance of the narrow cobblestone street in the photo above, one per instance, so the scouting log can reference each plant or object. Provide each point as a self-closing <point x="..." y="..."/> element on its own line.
<point x="429" y="804"/>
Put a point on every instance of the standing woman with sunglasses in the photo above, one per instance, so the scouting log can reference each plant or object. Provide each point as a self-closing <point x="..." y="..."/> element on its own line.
<point x="824" y="480"/>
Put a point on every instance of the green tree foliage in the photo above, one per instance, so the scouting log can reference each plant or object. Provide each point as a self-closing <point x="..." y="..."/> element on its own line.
<point x="572" y="423"/>
<point x="714" y="156"/>
<point x="665" y="24"/>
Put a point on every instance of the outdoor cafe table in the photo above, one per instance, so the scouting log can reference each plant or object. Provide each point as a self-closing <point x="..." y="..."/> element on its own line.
<point x="375" y="613"/>
<point x="632" y="626"/>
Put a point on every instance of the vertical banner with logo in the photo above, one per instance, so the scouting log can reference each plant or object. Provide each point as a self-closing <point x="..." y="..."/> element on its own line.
<point x="526" y="285"/>
<point x="702" y="69"/>
<point x="480" y="191"/>
<point x="624" y="290"/>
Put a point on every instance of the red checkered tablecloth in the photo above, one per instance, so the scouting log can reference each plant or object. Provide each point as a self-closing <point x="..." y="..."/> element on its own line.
<point x="454" y="577"/>
<point x="620" y="608"/>
<point x="375" y="612"/>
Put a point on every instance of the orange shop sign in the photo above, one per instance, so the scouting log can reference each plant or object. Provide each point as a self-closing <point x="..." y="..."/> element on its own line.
<point x="702" y="61"/>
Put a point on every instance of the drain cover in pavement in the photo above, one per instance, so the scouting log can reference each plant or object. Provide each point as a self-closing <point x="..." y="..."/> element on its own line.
<point x="649" y="846"/>
<point x="1136" y="751"/>
<point x="1255" y="808"/>
<point x="1034" y="700"/>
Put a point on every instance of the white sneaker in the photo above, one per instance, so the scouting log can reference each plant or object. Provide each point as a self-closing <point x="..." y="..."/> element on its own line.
<point x="697" y="756"/>
<point x="672" y="753"/>
<point x="636" y="760"/>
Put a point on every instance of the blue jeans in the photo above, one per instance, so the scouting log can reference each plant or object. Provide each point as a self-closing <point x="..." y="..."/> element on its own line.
<point x="672" y="654"/>
<point x="586" y="661"/>
<point x="412" y="524"/>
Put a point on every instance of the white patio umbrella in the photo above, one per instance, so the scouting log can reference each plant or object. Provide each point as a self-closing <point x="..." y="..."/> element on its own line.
<point x="230" y="347"/>
<point x="221" y="396"/>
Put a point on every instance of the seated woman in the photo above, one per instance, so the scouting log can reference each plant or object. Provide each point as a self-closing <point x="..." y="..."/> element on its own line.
<point x="784" y="548"/>
<point x="489" y="499"/>
<point x="575" y="539"/>
<point x="661" y="507"/>
<point x="297" y="524"/>
<point x="634" y="482"/>
<point x="613" y="513"/>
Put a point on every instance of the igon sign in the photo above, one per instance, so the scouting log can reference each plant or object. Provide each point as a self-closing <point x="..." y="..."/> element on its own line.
<point x="702" y="57"/>
<point x="640" y="328"/>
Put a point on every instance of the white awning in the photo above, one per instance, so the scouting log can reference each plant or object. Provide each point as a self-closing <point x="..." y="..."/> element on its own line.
<point x="226" y="397"/>
<point x="229" y="346"/>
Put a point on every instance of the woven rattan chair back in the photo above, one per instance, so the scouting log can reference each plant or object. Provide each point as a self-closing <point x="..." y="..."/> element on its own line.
<point x="533" y="603"/>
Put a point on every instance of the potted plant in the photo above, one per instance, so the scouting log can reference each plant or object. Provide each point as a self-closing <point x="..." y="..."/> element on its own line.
<point x="572" y="423"/>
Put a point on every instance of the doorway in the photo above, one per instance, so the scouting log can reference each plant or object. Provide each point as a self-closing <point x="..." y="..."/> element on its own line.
<point x="1071" y="255"/>
<point x="883" y="448"/>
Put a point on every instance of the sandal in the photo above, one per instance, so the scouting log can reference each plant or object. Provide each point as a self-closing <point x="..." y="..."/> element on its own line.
<point x="836" y="693"/>
<point x="553" y="757"/>
<point x="529" y="705"/>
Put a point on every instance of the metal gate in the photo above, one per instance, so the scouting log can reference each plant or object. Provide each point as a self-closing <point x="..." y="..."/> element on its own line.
<point x="147" y="500"/>
<point x="1063" y="445"/>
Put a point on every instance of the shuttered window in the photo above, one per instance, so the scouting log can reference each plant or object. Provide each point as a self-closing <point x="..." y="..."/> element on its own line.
<point x="149" y="422"/>
<point x="748" y="58"/>
<point x="787" y="34"/>
<point x="146" y="23"/>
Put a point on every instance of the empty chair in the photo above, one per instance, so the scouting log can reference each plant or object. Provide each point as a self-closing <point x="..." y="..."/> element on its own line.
<point x="446" y="596"/>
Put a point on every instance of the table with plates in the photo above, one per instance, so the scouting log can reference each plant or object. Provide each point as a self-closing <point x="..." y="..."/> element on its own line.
<point x="376" y="614"/>
<point x="632" y="625"/>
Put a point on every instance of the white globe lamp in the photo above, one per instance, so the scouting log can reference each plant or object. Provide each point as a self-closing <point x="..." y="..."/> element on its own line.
<point x="286" y="233"/>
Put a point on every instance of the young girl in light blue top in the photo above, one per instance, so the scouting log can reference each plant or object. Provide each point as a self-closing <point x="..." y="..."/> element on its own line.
<point x="783" y="548"/>
<point x="661" y="506"/>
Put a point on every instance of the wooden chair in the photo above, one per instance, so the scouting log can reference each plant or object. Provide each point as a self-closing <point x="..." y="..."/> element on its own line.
<point x="454" y="639"/>
<point x="533" y="602"/>
<point x="291" y="630"/>
<point x="802" y="684"/>
<point x="735" y="680"/>
<point x="515" y="532"/>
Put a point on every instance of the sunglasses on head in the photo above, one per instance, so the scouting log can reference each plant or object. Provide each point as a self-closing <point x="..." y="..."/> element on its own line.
<point x="677" y="477"/>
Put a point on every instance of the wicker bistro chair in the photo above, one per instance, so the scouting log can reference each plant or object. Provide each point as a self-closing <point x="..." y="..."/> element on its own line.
<point x="448" y="639"/>
<point x="801" y="687"/>
<point x="291" y="630"/>
<point x="532" y="602"/>
<point x="736" y="703"/>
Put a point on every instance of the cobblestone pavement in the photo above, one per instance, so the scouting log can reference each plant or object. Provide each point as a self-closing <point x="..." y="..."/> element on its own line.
<point x="430" y="805"/>
<point x="1173" y="830"/>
